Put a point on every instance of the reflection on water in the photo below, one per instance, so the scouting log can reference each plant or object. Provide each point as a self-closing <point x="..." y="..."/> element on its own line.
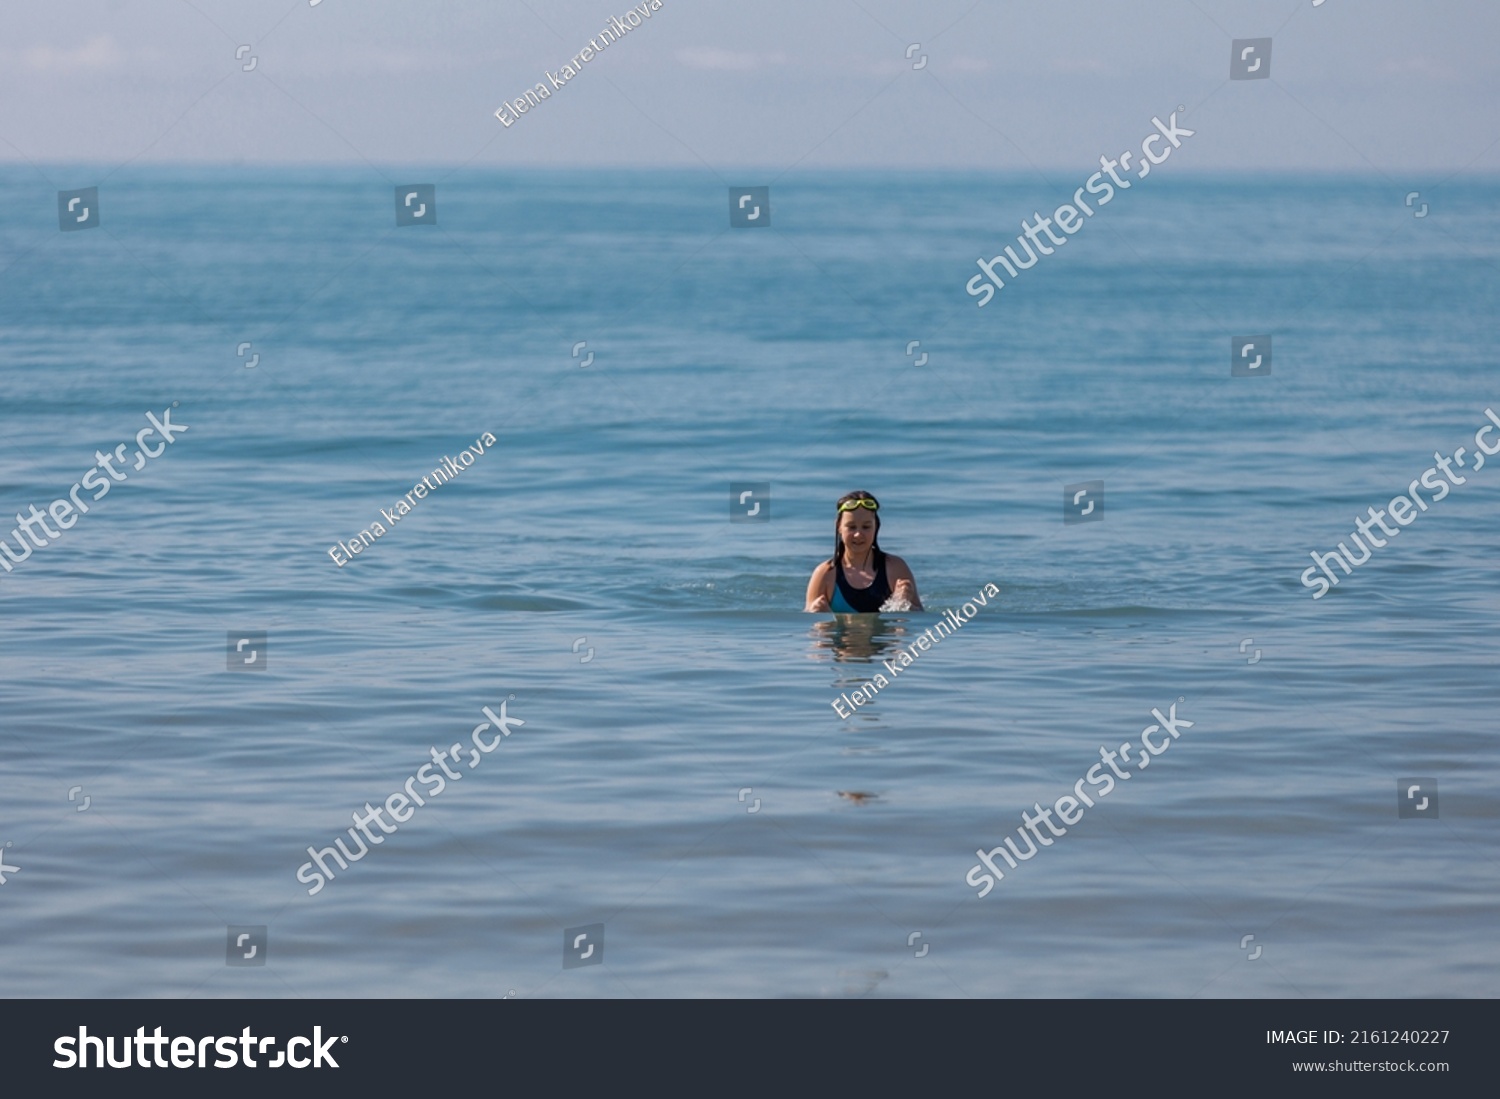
<point x="857" y="639"/>
<point x="862" y="638"/>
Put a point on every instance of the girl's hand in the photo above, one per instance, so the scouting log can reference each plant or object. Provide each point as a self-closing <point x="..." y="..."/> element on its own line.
<point x="819" y="588"/>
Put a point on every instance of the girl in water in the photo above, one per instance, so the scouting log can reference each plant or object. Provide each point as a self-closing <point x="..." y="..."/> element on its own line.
<point x="860" y="577"/>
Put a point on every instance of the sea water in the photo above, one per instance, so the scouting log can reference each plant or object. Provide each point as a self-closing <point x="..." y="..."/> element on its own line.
<point x="681" y="776"/>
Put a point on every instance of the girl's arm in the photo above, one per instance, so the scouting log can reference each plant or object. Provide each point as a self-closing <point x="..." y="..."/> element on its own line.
<point x="903" y="584"/>
<point x="817" y="588"/>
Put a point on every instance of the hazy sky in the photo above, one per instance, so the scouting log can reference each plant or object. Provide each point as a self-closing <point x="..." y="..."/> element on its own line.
<point x="1403" y="87"/>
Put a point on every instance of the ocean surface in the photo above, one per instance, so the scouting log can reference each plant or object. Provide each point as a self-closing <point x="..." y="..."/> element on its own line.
<point x="681" y="777"/>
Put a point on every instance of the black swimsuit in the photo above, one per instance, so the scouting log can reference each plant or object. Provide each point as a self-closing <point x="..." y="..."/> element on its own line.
<point x="851" y="600"/>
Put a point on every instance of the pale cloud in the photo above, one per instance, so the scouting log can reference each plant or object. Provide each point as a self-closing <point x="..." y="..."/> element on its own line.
<point x="1420" y="65"/>
<point x="703" y="57"/>
<point x="98" y="54"/>
<point x="1080" y="66"/>
<point x="376" y="59"/>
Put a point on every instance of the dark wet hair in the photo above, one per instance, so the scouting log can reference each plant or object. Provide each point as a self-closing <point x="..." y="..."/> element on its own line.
<point x="876" y="553"/>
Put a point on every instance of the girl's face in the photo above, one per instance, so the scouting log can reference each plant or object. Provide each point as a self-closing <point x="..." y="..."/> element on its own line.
<point x="857" y="529"/>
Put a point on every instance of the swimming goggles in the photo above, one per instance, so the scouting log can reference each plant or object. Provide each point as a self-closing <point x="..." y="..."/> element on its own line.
<point x="850" y="505"/>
